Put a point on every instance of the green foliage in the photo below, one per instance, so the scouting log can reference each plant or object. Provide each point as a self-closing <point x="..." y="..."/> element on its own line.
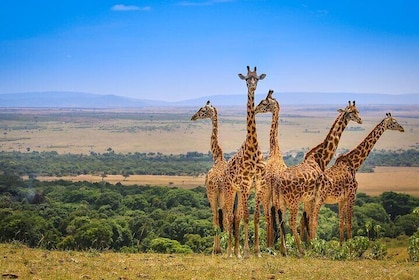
<point x="349" y="250"/>
<point x="357" y="246"/>
<point x="101" y="216"/>
<point x="392" y="158"/>
<point x="406" y="224"/>
<point x="54" y="164"/>
<point x="398" y="204"/>
<point x="191" y="163"/>
<point x="378" y="251"/>
<point x="166" y="245"/>
<point x="413" y="248"/>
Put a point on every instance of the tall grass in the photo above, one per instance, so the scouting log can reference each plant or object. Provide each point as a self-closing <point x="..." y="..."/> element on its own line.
<point x="26" y="263"/>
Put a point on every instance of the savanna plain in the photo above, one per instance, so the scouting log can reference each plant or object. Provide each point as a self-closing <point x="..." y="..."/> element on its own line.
<point x="170" y="131"/>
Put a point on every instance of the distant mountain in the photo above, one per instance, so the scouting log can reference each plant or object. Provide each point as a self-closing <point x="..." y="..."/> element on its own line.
<point x="88" y="100"/>
<point x="72" y="100"/>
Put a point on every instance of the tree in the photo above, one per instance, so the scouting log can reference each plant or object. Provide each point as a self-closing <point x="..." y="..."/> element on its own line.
<point x="94" y="235"/>
<point x="398" y="204"/>
<point x="407" y="224"/>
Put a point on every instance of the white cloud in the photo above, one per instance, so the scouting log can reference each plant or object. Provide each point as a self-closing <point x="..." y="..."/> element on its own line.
<point x="203" y="3"/>
<point x="125" y="8"/>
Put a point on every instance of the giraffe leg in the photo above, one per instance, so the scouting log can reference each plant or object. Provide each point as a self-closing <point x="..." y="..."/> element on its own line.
<point x="349" y="213"/>
<point x="245" y="211"/>
<point x="268" y="221"/>
<point x="293" y="226"/>
<point x="342" y="214"/>
<point x="217" y="229"/>
<point x="212" y="197"/>
<point x="256" y="217"/>
<point x="315" y="216"/>
<point x="229" y="220"/>
<point x="230" y="235"/>
<point x="281" y="224"/>
<point x="236" y="227"/>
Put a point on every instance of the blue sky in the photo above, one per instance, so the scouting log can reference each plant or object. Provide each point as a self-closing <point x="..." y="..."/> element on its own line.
<point x="176" y="50"/>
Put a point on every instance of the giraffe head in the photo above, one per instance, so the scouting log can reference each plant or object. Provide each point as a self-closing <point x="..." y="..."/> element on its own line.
<point x="269" y="104"/>
<point x="252" y="78"/>
<point x="390" y="123"/>
<point x="351" y="113"/>
<point x="206" y="112"/>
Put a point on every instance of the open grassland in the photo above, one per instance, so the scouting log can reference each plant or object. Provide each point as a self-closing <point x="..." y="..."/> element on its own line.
<point x="21" y="262"/>
<point x="170" y="130"/>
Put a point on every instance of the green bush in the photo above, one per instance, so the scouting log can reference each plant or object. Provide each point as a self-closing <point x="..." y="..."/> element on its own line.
<point x="357" y="246"/>
<point x="413" y="248"/>
<point x="378" y="251"/>
<point x="166" y="245"/>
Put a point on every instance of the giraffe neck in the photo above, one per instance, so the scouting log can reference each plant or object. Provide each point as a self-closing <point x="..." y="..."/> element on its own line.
<point x="323" y="153"/>
<point x="217" y="152"/>
<point x="273" y="137"/>
<point x="251" y="135"/>
<point x="357" y="156"/>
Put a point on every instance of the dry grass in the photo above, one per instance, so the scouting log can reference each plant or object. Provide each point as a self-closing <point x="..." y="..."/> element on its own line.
<point x="300" y="128"/>
<point x="397" y="179"/>
<point x="26" y="263"/>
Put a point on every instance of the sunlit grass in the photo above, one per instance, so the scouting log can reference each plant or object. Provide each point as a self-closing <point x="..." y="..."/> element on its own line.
<point x="26" y="263"/>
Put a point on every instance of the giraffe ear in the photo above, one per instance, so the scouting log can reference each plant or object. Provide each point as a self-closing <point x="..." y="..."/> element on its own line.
<point x="261" y="77"/>
<point x="341" y="110"/>
<point x="241" y="76"/>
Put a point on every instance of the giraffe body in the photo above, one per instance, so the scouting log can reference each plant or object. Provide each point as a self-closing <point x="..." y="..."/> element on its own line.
<point x="340" y="185"/>
<point x="274" y="165"/>
<point x="245" y="169"/>
<point x="300" y="183"/>
<point x="214" y="180"/>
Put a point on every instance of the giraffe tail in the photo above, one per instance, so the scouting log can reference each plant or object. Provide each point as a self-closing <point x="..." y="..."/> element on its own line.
<point x="305" y="232"/>
<point x="235" y="210"/>
<point x="274" y="226"/>
<point x="220" y="219"/>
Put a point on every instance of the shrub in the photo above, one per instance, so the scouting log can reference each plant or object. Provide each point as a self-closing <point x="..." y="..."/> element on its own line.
<point x="378" y="251"/>
<point x="166" y="245"/>
<point x="413" y="248"/>
<point x="357" y="246"/>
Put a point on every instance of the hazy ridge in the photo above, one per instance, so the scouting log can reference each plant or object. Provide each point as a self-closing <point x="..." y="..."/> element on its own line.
<point x="53" y="99"/>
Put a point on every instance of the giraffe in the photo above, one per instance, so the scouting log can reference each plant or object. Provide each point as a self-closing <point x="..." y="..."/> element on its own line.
<point x="323" y="154"/>
<point x="274" y="164"/>
<point x="341" y="184"/>
<point x="244" y="169"/>
<point x="299" y="183"/>
<point x="214" y="180"/>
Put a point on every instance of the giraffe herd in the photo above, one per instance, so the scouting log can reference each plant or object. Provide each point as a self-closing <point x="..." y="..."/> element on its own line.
<point x="279" y="187"/>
